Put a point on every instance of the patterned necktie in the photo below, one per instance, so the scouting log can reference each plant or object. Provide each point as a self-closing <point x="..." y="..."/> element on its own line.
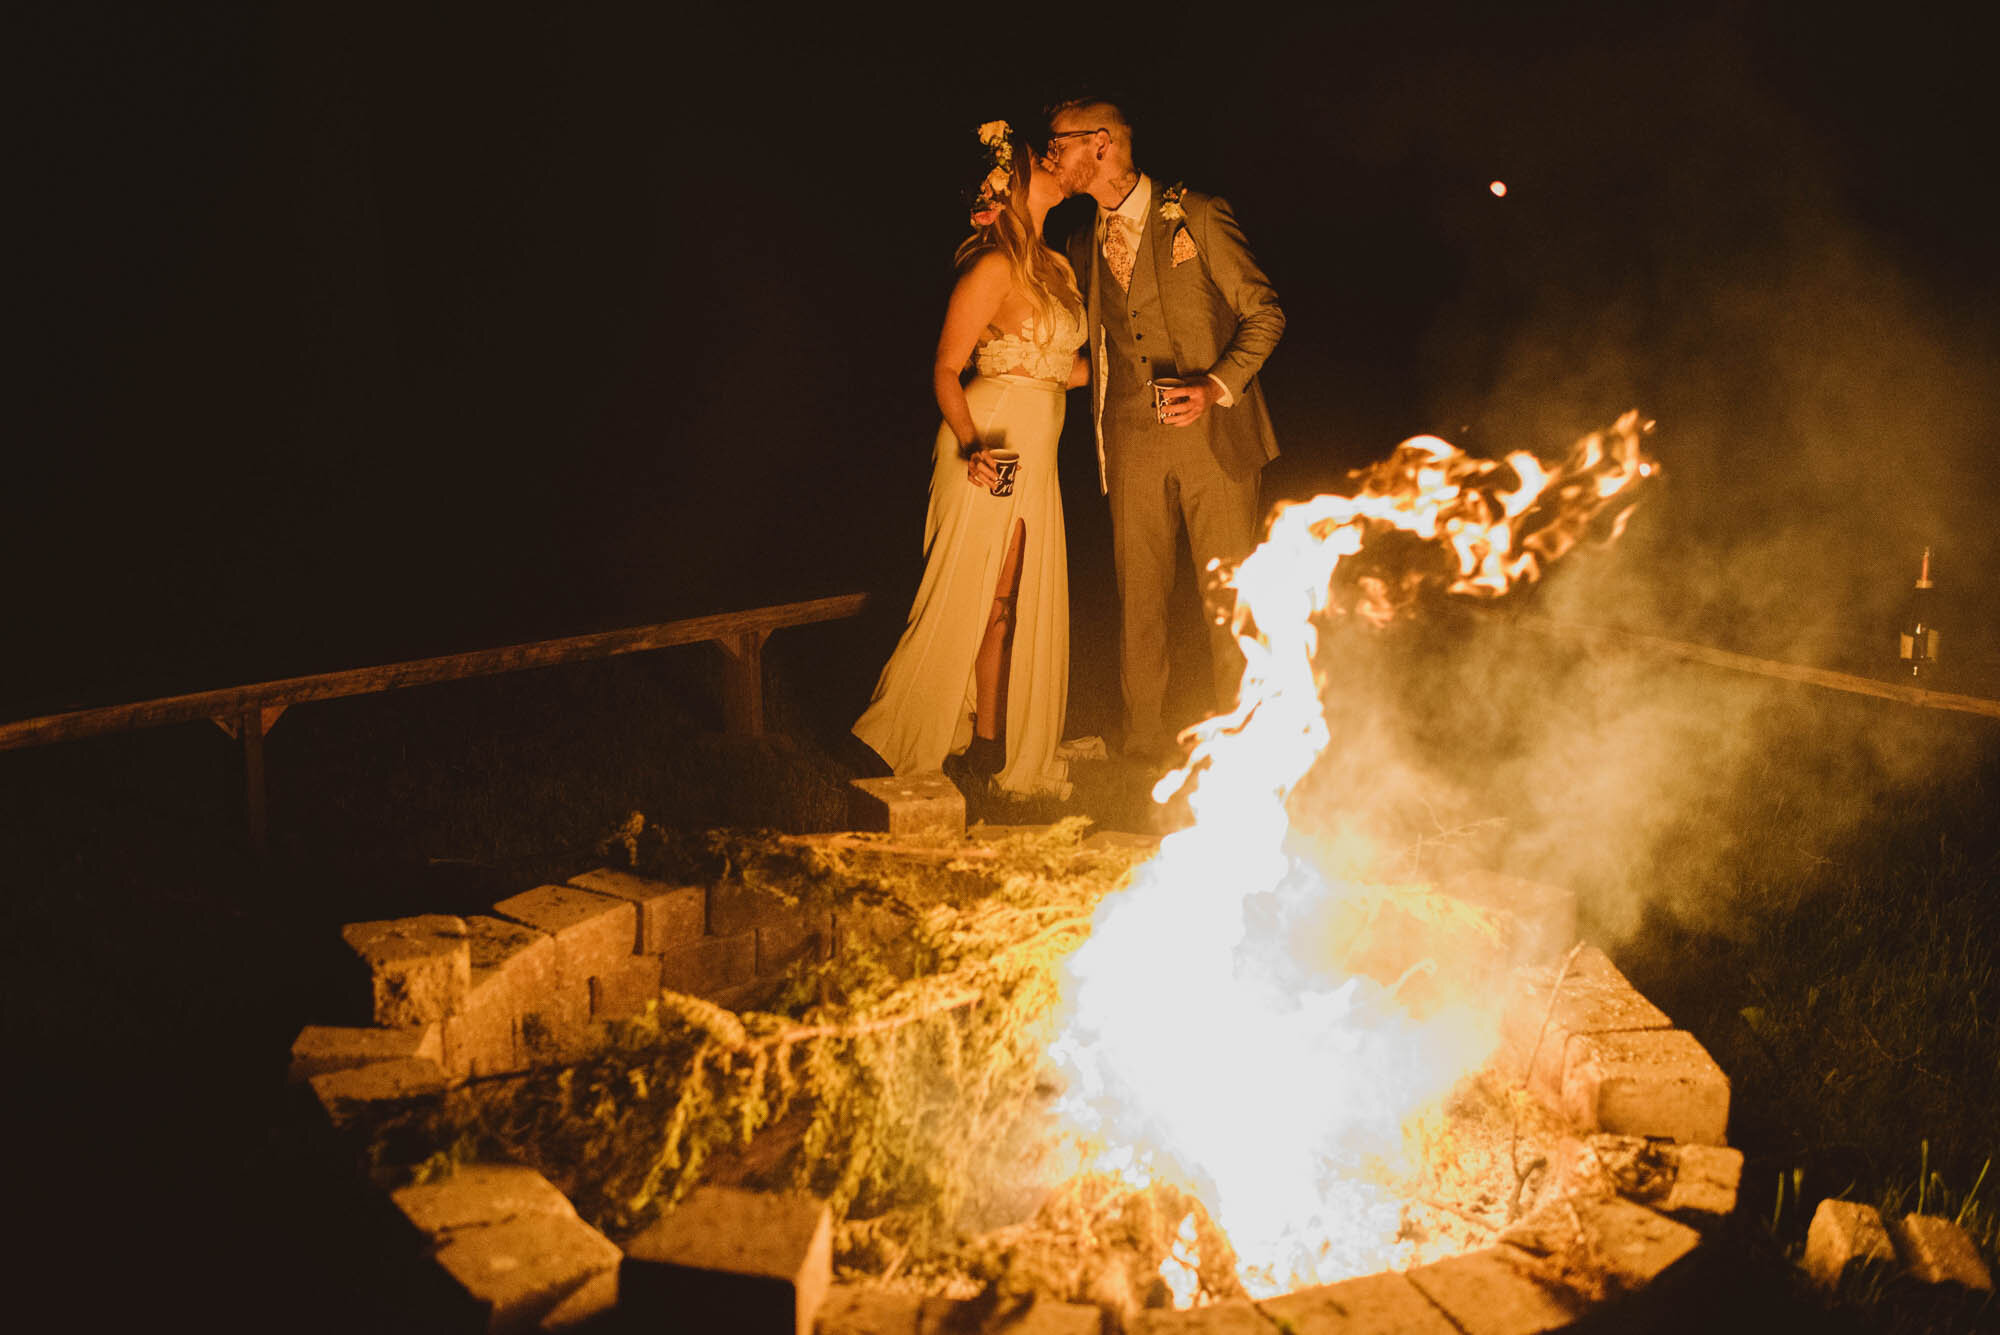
<point x="1118" y="251"/>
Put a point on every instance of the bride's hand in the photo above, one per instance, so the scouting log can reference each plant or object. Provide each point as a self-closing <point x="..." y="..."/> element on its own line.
<point x="979" y="469"/>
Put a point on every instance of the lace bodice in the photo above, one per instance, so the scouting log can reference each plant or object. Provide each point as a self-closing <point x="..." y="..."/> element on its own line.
<point x="1044" y="349"/>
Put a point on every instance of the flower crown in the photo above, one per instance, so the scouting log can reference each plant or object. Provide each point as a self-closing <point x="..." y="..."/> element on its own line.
<point x="998" y="138"/>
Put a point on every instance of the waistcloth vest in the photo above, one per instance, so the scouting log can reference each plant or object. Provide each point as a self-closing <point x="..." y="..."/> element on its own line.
<point x="1137" y="346"/>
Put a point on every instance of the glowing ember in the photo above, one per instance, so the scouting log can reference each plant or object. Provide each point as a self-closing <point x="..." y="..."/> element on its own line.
<point x="1499" y="189"/>
<point x="1202" y="1041"/>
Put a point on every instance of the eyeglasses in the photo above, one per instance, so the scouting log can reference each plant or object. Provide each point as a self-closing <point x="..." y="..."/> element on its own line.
<point x="1050" y="146"/>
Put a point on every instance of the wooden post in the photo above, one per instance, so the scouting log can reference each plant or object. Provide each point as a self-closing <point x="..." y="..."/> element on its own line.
<point x="743" y="682"/>
<point x="251" y="728"/>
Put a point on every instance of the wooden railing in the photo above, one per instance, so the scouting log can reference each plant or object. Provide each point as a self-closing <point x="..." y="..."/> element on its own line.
<point x="246" y="713"/>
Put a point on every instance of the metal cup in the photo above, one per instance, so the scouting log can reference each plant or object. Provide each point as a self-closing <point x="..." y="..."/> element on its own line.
<point x="1163" y="390"/>
<point x="1006" y="463"/>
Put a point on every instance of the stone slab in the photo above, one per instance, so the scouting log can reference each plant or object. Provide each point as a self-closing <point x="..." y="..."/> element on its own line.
<point x="519" y="1271"/>
<point x="1593" y="997"/>
<point x="1486" y="1293"/>
<point x="1844" y="1242"/>
<point x="344" y="1094"/>
<point x="1934" y="1250"/>
<point x="917" y="804"/>
<point x="728" y="1259"/>
<point x="669" y="915"/>
<point x="320" y="1048"/>
<point x="418" y="968"/>
<point x="850" y="1309"/>
<point x="1622" y="1243"/>
<point x="479" y="1194"/>
<point x="626" y="989"/>
<point x="592" y="932"/>
<point x="1386" y="1303"/>
<point x="1655" y="1082"/>
<point x="703" y="968"/>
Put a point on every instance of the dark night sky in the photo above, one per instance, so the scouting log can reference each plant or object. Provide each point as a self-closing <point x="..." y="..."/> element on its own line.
<point x="366" y="332"/>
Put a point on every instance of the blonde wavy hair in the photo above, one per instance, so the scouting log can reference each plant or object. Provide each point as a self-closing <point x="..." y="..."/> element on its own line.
<point x="1036" y="269"/>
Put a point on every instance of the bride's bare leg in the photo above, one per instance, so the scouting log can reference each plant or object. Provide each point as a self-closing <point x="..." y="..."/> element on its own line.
<point x="989" y="669"/>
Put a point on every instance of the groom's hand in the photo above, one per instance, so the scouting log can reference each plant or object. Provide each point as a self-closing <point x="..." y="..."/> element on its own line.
<point x="1190" y="402"/>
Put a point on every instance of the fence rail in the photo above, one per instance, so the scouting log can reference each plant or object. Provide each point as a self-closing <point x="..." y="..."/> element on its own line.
<point x="246" y="713"/>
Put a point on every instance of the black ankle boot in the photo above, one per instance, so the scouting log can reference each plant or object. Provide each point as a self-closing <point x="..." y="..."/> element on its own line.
<point x="986" y="755"/>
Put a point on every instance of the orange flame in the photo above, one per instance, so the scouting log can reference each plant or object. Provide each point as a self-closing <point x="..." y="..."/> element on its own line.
<point x="1197" y="1042"/>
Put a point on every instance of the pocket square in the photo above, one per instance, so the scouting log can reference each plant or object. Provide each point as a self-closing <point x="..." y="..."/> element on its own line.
<point x="1183" y="248"/>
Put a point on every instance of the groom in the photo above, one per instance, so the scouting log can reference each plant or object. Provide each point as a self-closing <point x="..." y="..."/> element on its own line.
<point x="1171" y="291"/>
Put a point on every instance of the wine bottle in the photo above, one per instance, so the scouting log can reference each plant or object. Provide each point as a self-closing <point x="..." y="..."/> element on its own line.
<point x="1918" y="647"/>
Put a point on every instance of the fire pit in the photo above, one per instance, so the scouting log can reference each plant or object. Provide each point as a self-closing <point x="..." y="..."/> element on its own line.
<point x="1521" y="1188"/>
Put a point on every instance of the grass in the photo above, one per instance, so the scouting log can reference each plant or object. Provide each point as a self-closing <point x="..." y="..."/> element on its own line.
<point x="157" y="972"/>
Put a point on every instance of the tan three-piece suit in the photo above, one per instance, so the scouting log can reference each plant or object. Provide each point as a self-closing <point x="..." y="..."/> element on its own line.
<point x="1197" y="304"/>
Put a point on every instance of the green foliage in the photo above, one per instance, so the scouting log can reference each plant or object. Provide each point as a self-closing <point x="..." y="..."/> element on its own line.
<point x="901" y="1081"/>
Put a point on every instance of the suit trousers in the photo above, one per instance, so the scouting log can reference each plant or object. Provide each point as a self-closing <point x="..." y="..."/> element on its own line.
<point x="1157" y="480"/>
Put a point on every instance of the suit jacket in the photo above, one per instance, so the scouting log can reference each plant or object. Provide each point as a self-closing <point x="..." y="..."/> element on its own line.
<point x="1222" y="319"/>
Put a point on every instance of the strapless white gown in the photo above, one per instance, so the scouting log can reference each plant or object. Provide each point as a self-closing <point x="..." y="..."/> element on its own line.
<point x="923" y="704"/>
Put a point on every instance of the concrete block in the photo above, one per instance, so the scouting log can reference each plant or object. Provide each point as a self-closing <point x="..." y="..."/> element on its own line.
<point x="479" y="1194"/>
<point x="526" y="957"/>
<point x="626" y="989"/>
<point x="1845" y="1241"/>
<point x="484" y="1037"/>
<point x="592" y="932"/>
<point x="589" y="1307"/>
<point x="1706" y="1185"/>
<point x="513" y="975"/>
<point x="669" y="915"/>
<point x="1488" y="1293"/>
<point x="519" y="1271"/>
<point x="1386" y="1303"/>
<point x="1236" y="1317"/>
<point x="705" y="967"/>
<point x="1934" y="1250"/>
<point x="735" y="907"/>
<point x="418" y="968"/>
<point x="1653" y="1082"/>
<point x="1625" y="1245"/>
<point x="348" y="1093"/>
<point x="852" y="1310"/>
<point x="1695" y="1184"/>
<point x="919" y="804"/>
<point x="1593" y="997"/>
<point x="727" y="1259"/>
<point x="558" y="1029"/>
<point x="1539" y="921"/>
<point x="320" y="1048"/>
<point x="784" y="942"/>
<point x="1033" y="1315"/>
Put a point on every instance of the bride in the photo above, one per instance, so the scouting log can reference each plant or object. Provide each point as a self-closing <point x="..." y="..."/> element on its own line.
<point x="982" y="668"/>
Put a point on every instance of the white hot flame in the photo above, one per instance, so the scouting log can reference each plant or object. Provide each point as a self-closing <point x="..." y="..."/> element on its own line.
<point x="1198" y="1043"/>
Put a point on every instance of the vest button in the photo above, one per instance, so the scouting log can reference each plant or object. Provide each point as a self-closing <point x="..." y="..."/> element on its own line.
<point x="1142" y="359"/>
<point x="1138" y="336"/>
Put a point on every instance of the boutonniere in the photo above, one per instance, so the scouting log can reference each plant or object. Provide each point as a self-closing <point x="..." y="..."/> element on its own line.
<point x="1176" y="216"/>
